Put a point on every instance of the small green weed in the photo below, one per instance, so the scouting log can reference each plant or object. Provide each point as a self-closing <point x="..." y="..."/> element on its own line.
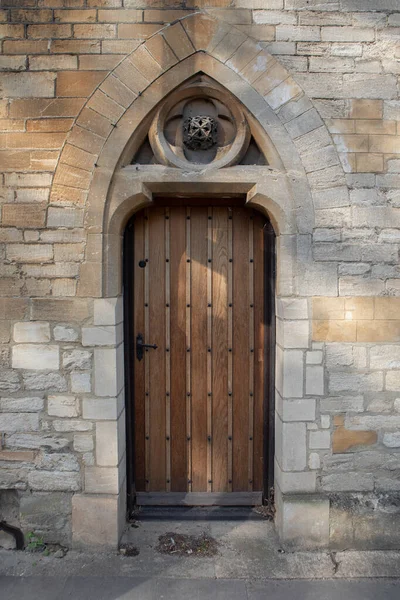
<point x="36" y="543"/>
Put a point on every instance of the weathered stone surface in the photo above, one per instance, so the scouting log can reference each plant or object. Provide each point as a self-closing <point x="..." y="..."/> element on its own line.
<point x="35" y="357"/>
<point x="9" y="381"/>
<point x="36" y="441"/>
<point x="56" y="481"/>
<point x="65" y="334"/>
<point x="13" y="422"/>
<point x="77" y="359"/>
<point x="348" y="482"/>
<point x="28" y="404"/>
<point x="63" y="406"/>
<point x="345" y="440"/>
<point x="32" y="332"/>
<point x="48" y="514"/>
<point x="392" y="439"/>
<point x="53" y="382"/>
<point x="57" y="462"/>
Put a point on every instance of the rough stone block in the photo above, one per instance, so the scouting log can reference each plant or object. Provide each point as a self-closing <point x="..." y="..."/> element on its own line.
<point x="348" y="482"/>
<point x="57" y="481"/>
<point x="77" y="359"/>
<point x="48" y="514"/>
<point x="17" y="422"/>
<point x="28" y="404"/>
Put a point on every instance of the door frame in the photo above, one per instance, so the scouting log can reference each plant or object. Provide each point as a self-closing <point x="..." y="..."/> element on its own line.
<point x="269" y="346"/>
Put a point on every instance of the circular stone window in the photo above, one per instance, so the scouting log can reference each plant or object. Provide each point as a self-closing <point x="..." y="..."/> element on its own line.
<point x="199" y="126"/>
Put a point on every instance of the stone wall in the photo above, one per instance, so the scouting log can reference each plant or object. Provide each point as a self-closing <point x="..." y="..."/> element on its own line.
<point x="338" y="333"/>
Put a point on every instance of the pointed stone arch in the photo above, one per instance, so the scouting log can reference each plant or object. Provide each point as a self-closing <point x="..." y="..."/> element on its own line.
<point x="115" y="111"/>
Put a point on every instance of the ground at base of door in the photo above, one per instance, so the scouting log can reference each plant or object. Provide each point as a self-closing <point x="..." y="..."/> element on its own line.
<point x="248" y="550"/>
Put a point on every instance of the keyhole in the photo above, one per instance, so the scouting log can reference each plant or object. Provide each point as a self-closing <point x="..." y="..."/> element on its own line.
<point x="142" y="264"/>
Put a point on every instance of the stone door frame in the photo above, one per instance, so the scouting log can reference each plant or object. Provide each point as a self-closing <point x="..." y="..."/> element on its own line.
<point x="286" y="192"/>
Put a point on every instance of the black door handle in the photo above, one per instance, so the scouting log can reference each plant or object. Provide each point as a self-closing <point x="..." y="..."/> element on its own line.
<point x="140" y="345"/>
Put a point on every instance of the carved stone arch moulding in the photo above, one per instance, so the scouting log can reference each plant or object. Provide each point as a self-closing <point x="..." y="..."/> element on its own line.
<point x="273" y="104"/>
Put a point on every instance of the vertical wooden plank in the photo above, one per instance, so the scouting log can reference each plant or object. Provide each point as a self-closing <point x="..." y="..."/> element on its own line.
<point x="198" y="351"/>
<point x="177" y="350"/>
<point x="259" y="352"/>
<point x="250" y="310"/>
<point x="188" y="351"/>
<point x="241" y="349"/>
<point x="157" y="357"/>
<point x="167" y="354"/>
<point x="220" y="350"/>
<point x="210" y="349"/>
<point x="230" y="350"/>
<point x="139" y="367"/>
<point x="146" y="358"/>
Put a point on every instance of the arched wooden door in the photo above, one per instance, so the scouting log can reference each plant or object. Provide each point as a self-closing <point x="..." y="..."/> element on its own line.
<point x="198" y="289"/>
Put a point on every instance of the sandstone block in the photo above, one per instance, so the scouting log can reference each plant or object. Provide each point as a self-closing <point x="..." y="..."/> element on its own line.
<point x="31" y="332"/>
<point x="89" y="31"/>
<point x="342" y="404"/>
<point x="107" y="444"/>
<point x="63" y="406"/>
<point x="78" y="83"/>
<point x="345" y="440"/>
<point x="64" y="217"/>
<point x="76" y="16"/>
<point x="35" y="357"/>
<point x="355" y="382"/>
<point x="296" y="409"/>
<point x="108" y="311"/>
<point x="95" y="521"/>
<point x="315" y="380"/>
<point x="29" y="215"/>
<point x="100" y="408"/>
<point x="101" y="480"/>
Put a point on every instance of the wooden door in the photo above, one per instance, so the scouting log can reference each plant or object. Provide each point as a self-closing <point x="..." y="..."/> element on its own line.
<point x="199" y="398"/>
